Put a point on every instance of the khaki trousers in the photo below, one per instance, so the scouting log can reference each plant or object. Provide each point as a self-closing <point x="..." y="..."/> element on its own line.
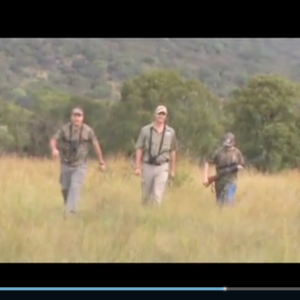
<point x="71" y="180"/>
<point x="154" y="181"/>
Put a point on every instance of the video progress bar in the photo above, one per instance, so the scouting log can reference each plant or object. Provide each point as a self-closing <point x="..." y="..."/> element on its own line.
<point x="263" y="289"/>
<point x="112" y="289"/>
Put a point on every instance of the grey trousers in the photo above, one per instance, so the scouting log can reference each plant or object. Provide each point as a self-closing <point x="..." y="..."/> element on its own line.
<point x="71" y="180"/>
<point x="154" y="182"/>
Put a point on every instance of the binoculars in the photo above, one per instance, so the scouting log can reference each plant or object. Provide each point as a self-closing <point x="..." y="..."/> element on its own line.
<point x="152" y="160"/>
<point x="74" y="146"/>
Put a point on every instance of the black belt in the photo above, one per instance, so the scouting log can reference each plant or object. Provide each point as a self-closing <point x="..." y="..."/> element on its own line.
<point x="157" y="163"/>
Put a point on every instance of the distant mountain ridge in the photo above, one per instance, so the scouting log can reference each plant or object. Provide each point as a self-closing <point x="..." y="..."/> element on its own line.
<point x="97" y="67"/>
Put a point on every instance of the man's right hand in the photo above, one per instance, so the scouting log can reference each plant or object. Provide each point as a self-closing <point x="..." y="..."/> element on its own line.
<point x="137" y="171"/>
<point x="205" y="181"/>
<point x="55" y="153"/>
<point x="240" y="167"/>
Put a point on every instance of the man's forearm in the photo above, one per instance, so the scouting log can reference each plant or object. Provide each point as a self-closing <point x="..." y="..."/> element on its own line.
<point x="99" y="153"/>
<point x="205" y="171"/>
<point x="138" y="158"/>
<point x="173" y="161"/>
<point x="53" y="144"/>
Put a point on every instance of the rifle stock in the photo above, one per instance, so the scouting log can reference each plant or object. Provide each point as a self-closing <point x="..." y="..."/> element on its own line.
<point x="232" y="168"/>
<point x="211" y="180"/>
<point x="223" y="171"/>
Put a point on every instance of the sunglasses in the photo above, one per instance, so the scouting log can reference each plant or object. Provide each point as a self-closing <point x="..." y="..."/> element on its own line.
<point x="162" y="114"/>
<point x="77" y="115"/>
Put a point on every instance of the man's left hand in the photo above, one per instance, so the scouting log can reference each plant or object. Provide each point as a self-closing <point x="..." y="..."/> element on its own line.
<point x="102" y="166"/>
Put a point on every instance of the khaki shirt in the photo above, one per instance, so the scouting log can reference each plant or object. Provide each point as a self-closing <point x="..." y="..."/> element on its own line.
<point x="74" y="150"/>
<point x="169" y="143"/>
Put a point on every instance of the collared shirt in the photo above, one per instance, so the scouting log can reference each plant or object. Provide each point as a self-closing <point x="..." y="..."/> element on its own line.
<point x="74" y="143"/>
<point x="169" y="143"/>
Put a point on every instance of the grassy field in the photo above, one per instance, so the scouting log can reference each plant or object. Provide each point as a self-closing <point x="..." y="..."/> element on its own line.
<point x="111" y="226"/>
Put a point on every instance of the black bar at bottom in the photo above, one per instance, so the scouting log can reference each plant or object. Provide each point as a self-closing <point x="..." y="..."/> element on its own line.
<point x="149" y="275"/>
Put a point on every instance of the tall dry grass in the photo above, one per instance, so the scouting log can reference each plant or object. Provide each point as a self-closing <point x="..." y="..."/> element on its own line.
<point x="111" y="226"/>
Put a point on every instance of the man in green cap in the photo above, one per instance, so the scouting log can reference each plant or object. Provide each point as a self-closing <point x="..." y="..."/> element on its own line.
<point x="74" y="139"/>
<point x="225" y="157"/>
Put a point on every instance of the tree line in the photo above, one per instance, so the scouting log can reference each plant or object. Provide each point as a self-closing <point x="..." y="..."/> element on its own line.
<point x="264" y="114"/>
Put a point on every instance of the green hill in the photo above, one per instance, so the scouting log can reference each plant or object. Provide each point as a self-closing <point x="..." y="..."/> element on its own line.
<point x="96" y="67"/>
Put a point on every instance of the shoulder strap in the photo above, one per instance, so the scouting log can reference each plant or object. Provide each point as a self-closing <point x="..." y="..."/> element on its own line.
<point x="70" y="131"/>
<point x="150" y="141"/>
<point x="161" y="141"/>
<point x="80" y="135"/>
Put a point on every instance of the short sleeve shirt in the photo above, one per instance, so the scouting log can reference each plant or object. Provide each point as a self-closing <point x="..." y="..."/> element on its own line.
<point x="74" y="143"/>
<point x="146" y="143"/>
<point x="224" y="156"/>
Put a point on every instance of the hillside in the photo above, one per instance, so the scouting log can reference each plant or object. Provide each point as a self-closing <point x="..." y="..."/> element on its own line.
<point x="96" y="67"/>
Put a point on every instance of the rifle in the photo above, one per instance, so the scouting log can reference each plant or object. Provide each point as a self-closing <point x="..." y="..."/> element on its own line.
<point x="223" y="171"/>
<point x="231" y="169"/>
